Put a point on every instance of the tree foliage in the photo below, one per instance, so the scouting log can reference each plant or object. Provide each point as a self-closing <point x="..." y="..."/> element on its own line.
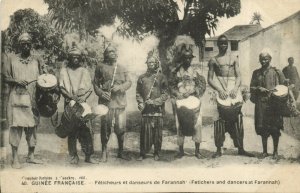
<point x="256" y="18"/>
<point x="141" y="17"/>
<point x="44" y="37"/>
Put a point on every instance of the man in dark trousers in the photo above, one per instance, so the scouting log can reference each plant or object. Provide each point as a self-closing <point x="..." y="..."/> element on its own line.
<point x="111" y="83"/>
<point x="151" y="94"/>
<point x="268" y="121"/>
<point x="75" y="84"/>
<point x="290" y="72"/>
<point x="227" y="84"/>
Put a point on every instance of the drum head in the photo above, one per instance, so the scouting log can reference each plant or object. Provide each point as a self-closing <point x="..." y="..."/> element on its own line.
<point x="100" y="110"/>
<point x="191" y="102"/>
<point x="47" y="81"/>
<point x="281" y="91"/>
<point x="230" y="101"/>
<point x="87" y="109"/>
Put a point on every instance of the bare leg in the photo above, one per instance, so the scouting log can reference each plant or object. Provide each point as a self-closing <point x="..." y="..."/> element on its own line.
<point x="104" y="153"/>
<point x="197" y="151"/>
<point x="30" y="156"/>
<point x="181" y="152"/>
<point x="218" y="153"/>
<point x="121" y="147"/>
<point x="265" y="146"/>
<point x="15" y="162"/>
<point x="275" y="144"/>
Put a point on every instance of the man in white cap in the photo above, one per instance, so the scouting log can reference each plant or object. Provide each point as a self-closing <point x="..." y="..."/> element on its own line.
<point x="76" y="84"/>
<point x="20" y="73"/>
<point x="268" y="121"/>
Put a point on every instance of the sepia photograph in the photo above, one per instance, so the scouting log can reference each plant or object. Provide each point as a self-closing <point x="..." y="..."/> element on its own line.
<point x="150" y="96"/>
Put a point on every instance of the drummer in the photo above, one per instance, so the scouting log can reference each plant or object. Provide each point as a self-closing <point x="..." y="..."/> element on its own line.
<point x="186" y="81"/>
<point x="151" y="94"/>
<point x="75" y="84"/>
<point x="268" y="122"/>
<point x="227" y="84"/>
<point x="19" y="73"/>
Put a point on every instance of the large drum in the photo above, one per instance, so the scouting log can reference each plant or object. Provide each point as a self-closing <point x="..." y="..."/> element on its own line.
<point x="73" y="117"/>
<point x="283" y="102"/>
<point x="188" y="110"/>
<point x="47" y="94"/>
<point x="230" y="108"/>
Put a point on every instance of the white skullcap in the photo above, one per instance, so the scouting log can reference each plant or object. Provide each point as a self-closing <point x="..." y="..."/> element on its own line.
<point x="266" y="51"/>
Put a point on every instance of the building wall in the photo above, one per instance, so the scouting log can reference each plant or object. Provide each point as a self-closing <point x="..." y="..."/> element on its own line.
<point x="282" y="38"/>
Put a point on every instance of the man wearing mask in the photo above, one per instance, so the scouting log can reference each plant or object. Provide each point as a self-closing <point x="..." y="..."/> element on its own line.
<point x="187" y="83"/>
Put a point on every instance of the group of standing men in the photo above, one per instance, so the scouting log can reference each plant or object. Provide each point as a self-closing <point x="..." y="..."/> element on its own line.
<point x="111" y="81"/>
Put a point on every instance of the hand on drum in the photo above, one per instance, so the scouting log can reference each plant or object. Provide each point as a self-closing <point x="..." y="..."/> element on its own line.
<point x="141" y="106"/>
<point x="22" y="82"/>
<point x="223" y="95"/>
<point x="106" y="95"/>
<point x="233" y="93"/>
<point x="262" y="89"/>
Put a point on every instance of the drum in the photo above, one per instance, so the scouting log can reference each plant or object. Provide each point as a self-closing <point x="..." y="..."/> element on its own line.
<point x="100" y="110"/>
<point x="47" y="95"/>
<point x="230" y="108"/>
<point x="283" y="102"/>
<point x="74" y="115"/>
<point x="187" y="113"/>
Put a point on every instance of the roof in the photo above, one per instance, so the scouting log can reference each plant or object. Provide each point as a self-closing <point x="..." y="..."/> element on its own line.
<point x="271" y="26"/>
<point x="239" y="32"/>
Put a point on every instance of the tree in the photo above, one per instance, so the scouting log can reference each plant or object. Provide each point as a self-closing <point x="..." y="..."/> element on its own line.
<point x="44" y="37"/>
<point x="140" y="18"/>
<point x="256" y="18"/>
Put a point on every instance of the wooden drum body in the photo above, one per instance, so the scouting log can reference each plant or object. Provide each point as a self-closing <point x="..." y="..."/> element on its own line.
<point x="75" y="115"/>
<point x="187" y="113"/>
<point x="230" y="108"/>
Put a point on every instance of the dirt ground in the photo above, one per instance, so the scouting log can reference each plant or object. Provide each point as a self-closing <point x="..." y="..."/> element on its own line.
<point x="52" y="150"/>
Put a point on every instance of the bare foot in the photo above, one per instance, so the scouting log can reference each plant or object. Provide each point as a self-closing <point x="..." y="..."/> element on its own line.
<point x="124" y="156"/>
<point x="32" y="160"/>
<point x="275" y="156"/>
<point x="156" y="157"/>
<point x="179" y="155"/>
<point x="74" y="159"/>
<point x="140" y="158"/>
<point x="91" y="160"/>
<point x="245" y="153"/>
<point x="104" y="157"/>
<point x="217" y="154"/>
<point x="16" y="164"/>
<point x="199" y="156"/>
<point x="264" y="155"/>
